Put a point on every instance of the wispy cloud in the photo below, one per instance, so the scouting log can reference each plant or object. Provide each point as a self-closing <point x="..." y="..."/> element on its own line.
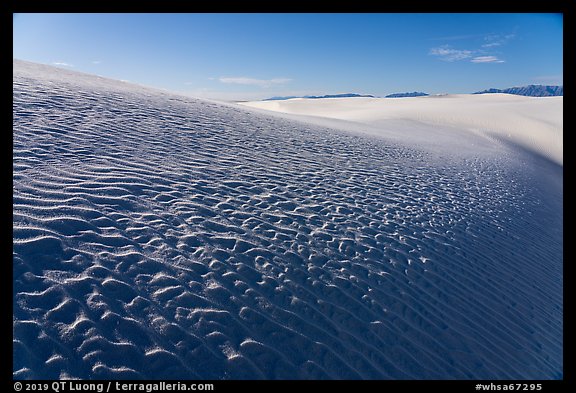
<point x="446" y="53"/>
<point x="61" y="64"/>
<point x="484" y="48"/>
<point x="495" y="40"/>
<point x="491" y="44"/>
<point x="96" y="61"/>
<point x="486" y="59"/>
<point x="457" y="37"/>
<point x="264" y="83"/>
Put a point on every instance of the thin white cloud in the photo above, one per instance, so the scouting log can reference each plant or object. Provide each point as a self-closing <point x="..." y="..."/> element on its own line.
<point x="491" y="44"/>
<point x="457" y="37"/>
<point x="264" y="83"/>
<point x="487" y="59"/>
<point x="96" y="61"/>
<point x="484" y="53"/>
<point x="61" y="64"/>
<point x="446" y="53"/>
<point x="495" y="40"/>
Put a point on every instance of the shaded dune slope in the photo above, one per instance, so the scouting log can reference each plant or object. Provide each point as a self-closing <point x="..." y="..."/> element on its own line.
<point x="157" y="236"/>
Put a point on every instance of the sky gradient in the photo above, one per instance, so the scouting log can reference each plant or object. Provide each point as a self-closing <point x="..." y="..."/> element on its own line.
<point x="255" y="56"/>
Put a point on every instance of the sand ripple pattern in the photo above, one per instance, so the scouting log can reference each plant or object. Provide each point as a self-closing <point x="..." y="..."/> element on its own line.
<point x="157" y="236"/>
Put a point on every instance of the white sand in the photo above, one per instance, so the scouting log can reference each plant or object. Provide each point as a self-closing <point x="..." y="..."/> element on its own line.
<point x="534" y="123"/>
<point x="162" y="237"/>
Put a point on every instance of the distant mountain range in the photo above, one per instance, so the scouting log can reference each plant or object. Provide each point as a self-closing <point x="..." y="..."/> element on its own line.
<point x="346" y="95"/>
<point x="403" y="95"/>
<point x="531" y="91"/>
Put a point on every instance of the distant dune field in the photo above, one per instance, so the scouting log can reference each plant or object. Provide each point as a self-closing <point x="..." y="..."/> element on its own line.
<point x="534" y="123"/>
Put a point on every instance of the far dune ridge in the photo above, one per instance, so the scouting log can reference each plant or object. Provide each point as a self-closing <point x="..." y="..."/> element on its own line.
<point x="157" y="236"/>
<point x="533" y="123"/>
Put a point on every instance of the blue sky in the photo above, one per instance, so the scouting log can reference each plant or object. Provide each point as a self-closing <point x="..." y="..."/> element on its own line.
<point x="254" y="56"/>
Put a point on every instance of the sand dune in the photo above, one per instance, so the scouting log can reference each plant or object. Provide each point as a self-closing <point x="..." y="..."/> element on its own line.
<point x="158" y="236"/>
<point x="534" y="123"/>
